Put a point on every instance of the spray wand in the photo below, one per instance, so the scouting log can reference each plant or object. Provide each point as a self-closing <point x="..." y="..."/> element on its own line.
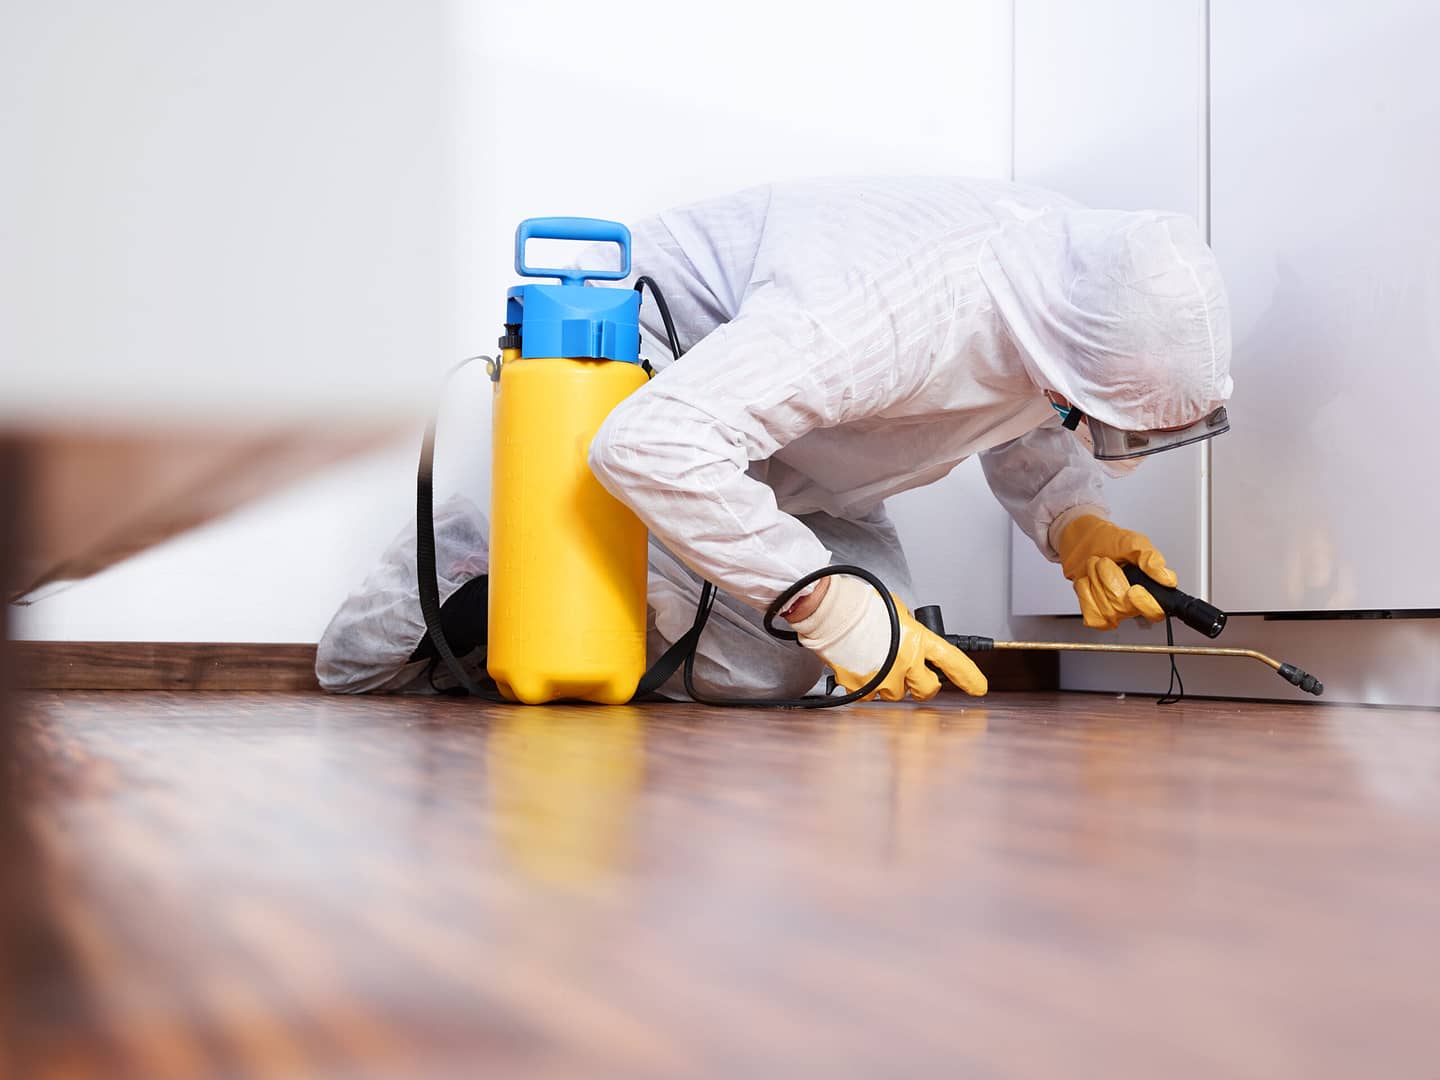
<point x="1195" y="613"/>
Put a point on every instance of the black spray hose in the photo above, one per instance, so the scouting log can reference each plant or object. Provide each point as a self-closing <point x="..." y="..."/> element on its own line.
<point x="781" y="602"/>
<point x="428" y="582"/>
<point x="690" y="642"/>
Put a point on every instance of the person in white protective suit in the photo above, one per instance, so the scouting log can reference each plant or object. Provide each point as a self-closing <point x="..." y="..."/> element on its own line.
<point x="847" y="340"/>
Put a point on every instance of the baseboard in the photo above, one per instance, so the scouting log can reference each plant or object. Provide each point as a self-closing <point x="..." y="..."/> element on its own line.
<point x="1019" y="670"/>
<point x="162" y="665"/>
<point x="1361" y="662"/>
<point x="189" y="665"/>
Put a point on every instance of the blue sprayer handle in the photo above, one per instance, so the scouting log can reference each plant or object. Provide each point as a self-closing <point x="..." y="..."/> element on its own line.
<point x="572" y="228"/>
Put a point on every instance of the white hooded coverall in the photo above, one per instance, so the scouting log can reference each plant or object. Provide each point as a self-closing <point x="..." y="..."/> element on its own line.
<point x="851" y="339"/>
<point x="848" y="340"/>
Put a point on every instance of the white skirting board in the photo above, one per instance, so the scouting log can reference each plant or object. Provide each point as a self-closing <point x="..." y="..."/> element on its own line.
<point x="1360" y="661"/>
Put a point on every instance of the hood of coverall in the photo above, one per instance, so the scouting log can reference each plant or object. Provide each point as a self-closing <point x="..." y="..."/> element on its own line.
<point x="1124" y="313"/>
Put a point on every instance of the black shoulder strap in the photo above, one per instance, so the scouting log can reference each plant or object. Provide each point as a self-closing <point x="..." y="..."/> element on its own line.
<point x="425" y="554"/>
<point x="668" y="663"/>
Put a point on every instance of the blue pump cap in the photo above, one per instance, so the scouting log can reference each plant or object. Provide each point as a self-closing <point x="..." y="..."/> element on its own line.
<point x="571" y="319"/>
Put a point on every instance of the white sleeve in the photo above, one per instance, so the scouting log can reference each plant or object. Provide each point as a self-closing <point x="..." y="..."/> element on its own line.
<point x="677" y="450"/>
<point x="1043" y="476"/>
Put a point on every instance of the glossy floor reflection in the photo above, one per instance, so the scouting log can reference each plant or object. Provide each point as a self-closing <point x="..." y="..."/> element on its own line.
<point x="1039" y="885"/>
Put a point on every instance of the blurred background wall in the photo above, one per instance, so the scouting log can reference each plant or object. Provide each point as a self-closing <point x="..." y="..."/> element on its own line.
<point x="224" y="217"/>
<point x="707" y="100"/>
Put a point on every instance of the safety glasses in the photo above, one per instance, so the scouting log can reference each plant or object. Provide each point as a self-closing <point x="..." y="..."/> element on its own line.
<point x="1112" y="444"/>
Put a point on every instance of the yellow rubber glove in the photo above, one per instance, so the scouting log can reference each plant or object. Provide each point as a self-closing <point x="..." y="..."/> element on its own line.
<point x="850" y="631"/>
<point x="1091" y="552"/>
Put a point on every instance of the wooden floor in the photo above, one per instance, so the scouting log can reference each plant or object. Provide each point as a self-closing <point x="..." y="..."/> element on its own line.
<point x="1048" y="886"/>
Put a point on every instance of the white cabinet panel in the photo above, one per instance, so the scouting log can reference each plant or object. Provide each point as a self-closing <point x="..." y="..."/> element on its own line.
<point x="1109" y="108"/>
<point x="1326" y="220"/>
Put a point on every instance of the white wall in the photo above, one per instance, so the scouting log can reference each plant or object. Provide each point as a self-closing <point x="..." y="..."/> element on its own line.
<point x="1081" y="128"/>
<point x="766" y="92"/>
<point x="272" y="571"/>
<point x="614" y="111"/>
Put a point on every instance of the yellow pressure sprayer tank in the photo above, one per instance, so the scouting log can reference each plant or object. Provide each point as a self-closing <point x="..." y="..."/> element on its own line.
<point x="567" y="559"/>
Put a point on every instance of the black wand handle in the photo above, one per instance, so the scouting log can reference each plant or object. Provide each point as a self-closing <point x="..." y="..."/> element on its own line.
<point x="1192" y="611"/>
<point x="929" y="617"/>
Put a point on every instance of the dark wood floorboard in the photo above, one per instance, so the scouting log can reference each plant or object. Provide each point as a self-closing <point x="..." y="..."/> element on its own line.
<point x="1035" y="885"/>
